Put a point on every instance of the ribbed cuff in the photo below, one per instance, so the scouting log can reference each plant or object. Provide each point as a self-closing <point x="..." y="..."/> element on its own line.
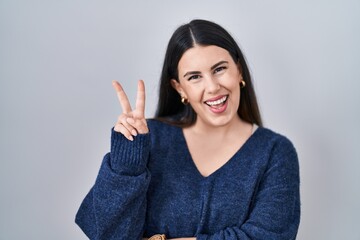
<point x="129" y="157"/>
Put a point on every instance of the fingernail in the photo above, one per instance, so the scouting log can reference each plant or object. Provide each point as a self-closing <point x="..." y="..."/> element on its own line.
<point x="134" y="132"/>
<point x="131" y="138"/>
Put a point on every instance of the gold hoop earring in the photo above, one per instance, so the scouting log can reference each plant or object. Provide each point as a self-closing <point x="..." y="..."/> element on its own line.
<point x="184" y="100"/>
<point x="242" y="84"/>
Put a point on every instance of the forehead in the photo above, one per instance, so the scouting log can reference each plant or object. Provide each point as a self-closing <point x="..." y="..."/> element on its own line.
<point x="202" y="57"/>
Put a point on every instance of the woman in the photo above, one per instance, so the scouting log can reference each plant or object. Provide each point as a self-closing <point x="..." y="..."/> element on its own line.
<point x="204" y="168"/>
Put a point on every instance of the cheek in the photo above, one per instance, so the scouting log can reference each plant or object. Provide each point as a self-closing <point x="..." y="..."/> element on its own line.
<point x="236" y="91"/>
<point x="193" y="93"/>
<point x="233" y="85"/>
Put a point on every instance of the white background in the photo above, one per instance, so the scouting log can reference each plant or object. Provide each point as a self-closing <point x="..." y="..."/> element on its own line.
<point x="57" y="105"/>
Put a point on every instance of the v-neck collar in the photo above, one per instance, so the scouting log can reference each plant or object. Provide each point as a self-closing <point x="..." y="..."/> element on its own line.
<point x="188" y="156"/>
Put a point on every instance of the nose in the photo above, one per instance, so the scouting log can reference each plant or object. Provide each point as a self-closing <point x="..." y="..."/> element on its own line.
<point x="212" y="85"/>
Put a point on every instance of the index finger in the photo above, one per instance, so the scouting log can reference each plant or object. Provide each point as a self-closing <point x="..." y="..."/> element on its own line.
<point x="123" y="99"/>
<point x="140" y="100"/>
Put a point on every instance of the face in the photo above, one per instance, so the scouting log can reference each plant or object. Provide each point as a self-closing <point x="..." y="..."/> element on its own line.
<point x="210" y="79"/>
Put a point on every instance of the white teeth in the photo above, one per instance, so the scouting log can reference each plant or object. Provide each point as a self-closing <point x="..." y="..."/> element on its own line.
<point x="217" y="102"/>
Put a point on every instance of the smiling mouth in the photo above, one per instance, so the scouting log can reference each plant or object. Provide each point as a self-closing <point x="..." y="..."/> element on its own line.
<point x="217" y="103"/>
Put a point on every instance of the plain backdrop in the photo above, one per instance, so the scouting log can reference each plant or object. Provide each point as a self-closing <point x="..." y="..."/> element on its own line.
<point x="57" y="105"/>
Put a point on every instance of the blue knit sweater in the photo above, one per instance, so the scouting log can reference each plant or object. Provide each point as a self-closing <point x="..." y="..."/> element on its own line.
<point x="151" y="185"/>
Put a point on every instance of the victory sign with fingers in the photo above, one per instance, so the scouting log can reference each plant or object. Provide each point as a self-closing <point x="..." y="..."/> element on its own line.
<point x="132" y="121"/>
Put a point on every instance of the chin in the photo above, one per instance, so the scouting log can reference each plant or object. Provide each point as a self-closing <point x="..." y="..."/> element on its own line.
<point x="220" y="121"/>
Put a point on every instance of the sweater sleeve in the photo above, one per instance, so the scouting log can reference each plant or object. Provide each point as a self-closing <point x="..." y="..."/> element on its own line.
<point x="275" y="212"/>
<point x="115" y="207"/>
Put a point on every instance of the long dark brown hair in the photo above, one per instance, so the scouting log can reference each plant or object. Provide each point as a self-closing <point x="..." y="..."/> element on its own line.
<point x="203" y="33"/>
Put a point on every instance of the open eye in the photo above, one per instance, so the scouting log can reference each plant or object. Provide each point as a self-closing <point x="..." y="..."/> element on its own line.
<point x="194" y="77"/>
<point x="219" y="69"/>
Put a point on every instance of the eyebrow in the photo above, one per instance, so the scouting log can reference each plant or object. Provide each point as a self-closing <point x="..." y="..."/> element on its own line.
<point x="212" y="68"/>
<point x="217" y="64"/>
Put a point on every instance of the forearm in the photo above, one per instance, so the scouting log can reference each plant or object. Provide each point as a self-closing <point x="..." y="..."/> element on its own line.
<point x="116" y="205"/>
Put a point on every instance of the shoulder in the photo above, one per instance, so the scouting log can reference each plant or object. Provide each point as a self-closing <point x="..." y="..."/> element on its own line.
<point x="269" y="138"/>
<point x="155" y="124"/>
<point x="281" y="151"/>
<point x="162" y="131"/>
<point x="274" y="148"/>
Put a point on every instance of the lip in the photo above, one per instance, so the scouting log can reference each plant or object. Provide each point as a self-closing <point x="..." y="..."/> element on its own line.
<point x="215" y="98"/>
<point x="218" y="108"/>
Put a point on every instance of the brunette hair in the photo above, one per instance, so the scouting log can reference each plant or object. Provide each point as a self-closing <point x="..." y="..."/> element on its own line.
<point x="203" y="33"/>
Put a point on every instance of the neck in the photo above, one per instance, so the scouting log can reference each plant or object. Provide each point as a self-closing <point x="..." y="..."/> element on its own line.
<point x="237" y="125"/>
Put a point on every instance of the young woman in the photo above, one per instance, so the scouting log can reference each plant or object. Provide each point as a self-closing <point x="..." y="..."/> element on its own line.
<point x="204" y="168"/>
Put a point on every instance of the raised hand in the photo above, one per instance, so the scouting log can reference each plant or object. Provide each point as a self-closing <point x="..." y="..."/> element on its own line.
<point x="131" y="122"/>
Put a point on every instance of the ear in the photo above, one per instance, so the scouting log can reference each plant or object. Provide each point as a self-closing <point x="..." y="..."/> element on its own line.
<point x="240" y="71"/>
<point x="176" y="85"/>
